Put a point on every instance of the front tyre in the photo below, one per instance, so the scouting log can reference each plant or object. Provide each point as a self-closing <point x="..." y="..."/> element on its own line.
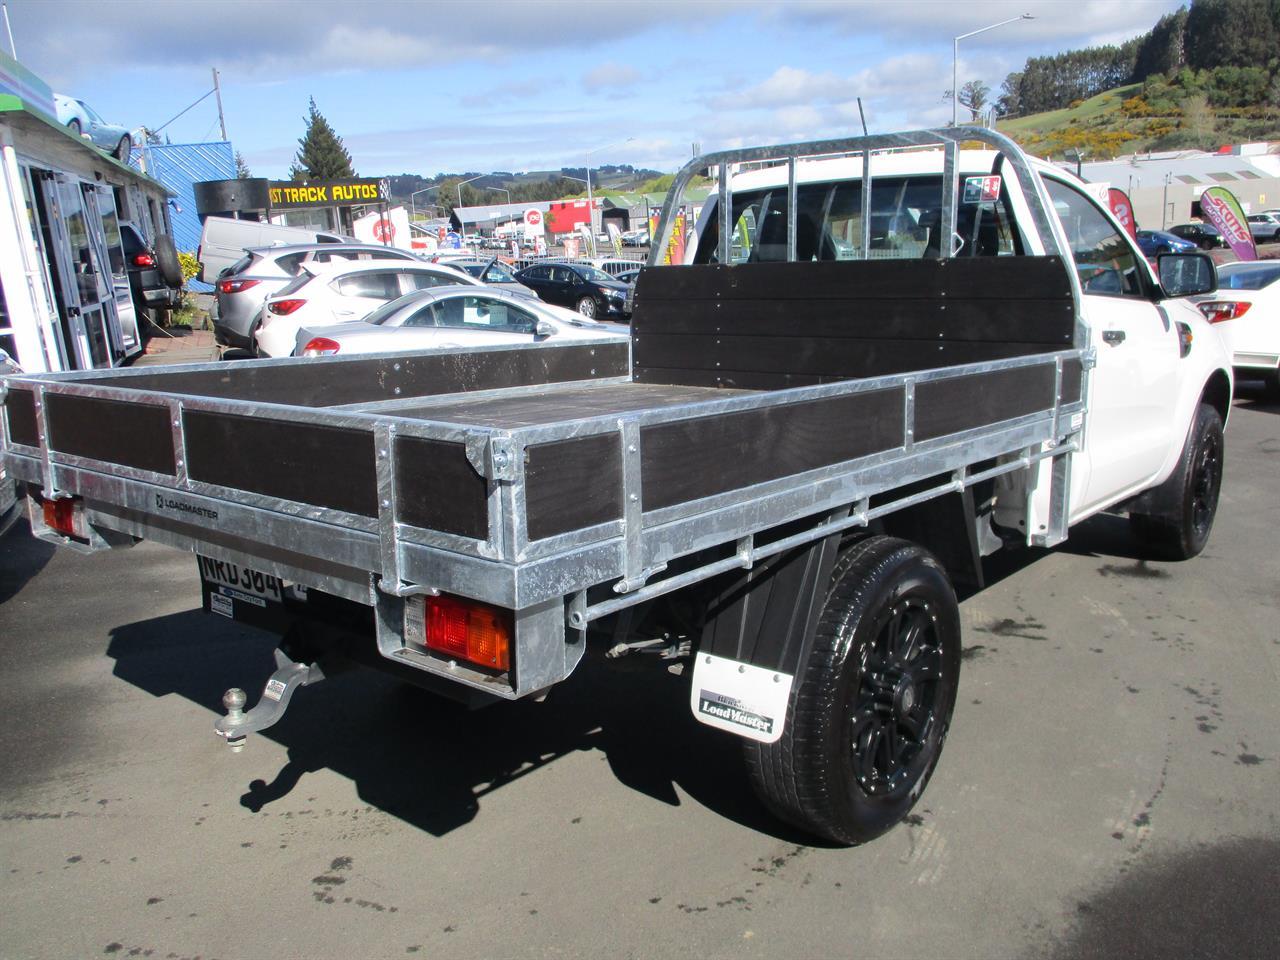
<point x="587" y="307"/>
<point x="1182" y="530"/>
<point x="870" y="709"/>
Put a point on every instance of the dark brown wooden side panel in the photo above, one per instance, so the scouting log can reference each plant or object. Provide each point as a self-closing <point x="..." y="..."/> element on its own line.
<point x="572" y="484"/>
<point x="690" y="459"/>
<point x="986" y="278"/>
<point x="129" y="434"/>
<point x="20" y="408"/>
<point x="963" y="403"/>
<point x="1072" y="375"/>
<point x="438" y="489"/>
<point x="844" y="320"/>
<point x="349" y="380"/>
<point x="1044" y="321"/>
<point x="323" y="466"/>
<point x="825" y="358"/>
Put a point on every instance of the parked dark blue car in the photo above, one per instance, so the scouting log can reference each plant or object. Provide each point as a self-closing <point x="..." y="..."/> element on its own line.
<point x="1153" y="242"/>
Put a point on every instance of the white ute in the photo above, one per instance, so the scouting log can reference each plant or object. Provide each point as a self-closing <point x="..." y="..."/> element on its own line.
<point x="882" y="359"/>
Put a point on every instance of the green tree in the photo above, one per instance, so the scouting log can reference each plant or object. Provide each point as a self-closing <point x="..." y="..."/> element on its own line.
<point x="973" y="97"/>
<point x="1231" y="33"/>
<point x="321" y="155"/>
<point x="242" y="169"/>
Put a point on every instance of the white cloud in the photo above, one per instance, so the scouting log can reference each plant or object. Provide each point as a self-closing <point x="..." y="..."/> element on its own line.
<point x="610" y="76"/>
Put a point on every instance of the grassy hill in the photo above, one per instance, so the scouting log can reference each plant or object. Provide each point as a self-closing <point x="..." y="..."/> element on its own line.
<point x="1128" y="120"/>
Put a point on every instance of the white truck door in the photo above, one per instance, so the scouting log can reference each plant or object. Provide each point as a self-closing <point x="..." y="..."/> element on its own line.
<point x="1133" y="388"/>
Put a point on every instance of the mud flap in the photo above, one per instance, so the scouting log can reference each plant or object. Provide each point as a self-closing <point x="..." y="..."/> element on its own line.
<point x="739" y="697"/>
<point x="756" y="639"/>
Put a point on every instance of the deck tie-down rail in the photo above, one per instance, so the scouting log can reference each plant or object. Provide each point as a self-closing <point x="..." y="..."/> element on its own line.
<point x="747" y="554"/>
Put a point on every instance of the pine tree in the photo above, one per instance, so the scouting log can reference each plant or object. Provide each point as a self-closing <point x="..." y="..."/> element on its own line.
<point x="321" y="155"/>
<point x="242" y="169"/>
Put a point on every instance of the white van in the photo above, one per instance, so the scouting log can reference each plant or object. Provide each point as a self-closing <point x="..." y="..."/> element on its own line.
<point x="223" y="241"/>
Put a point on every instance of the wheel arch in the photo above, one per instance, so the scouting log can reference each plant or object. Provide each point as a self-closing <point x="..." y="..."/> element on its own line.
<point x="1217" y="393"/>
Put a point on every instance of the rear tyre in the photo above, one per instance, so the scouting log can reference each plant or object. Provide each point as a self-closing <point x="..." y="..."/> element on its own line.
<point x="74" y="126"/>
<point x="167" y="261"/>
<point x="123" y="149"/>
<point x="1192" y="491"/>
<point x="871" y="705"/>
<point x="587" y="307"/>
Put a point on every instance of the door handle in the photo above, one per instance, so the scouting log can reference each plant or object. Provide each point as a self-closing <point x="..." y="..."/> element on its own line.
<point x="1113" y="337"/>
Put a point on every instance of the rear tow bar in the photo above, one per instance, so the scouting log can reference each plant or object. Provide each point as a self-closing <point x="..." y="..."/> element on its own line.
<point x="279" y="689"/>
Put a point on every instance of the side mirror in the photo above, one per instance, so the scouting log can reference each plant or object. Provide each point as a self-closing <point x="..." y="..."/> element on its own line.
<point x="1187" y="274"/>
<point x="543" y="329"/>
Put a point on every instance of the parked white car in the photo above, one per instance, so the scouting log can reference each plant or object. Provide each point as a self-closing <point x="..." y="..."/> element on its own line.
<point x="328" y="293"/>
<point x="459" y="316"/>
<point x="244" y="286"/>
<point x="1246" y="313"/>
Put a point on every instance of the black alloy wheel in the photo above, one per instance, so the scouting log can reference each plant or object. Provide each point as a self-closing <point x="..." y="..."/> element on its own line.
<point x="897" y="703"/>
<point x="872" y="700"/>
<point x="1188" y="501"/>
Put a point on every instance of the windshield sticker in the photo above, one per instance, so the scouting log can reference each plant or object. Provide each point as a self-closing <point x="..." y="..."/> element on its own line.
<point x="981" y="189"/>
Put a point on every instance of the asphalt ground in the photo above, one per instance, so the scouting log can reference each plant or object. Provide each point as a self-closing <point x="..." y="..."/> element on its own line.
<point x="1109" y="788"/>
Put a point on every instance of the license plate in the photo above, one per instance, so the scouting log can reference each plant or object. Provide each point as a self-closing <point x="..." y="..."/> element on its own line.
<point x="240" y="582"/>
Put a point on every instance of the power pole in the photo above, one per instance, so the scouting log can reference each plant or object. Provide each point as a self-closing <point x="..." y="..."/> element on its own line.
<point x="217" y="92"/>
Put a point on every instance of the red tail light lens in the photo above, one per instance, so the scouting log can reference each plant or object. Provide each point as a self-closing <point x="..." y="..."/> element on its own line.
<point x="469" y="631"/>
<point x="236" y="286"/>
<point x="1218" y="310"/>
<point x="143" y="260"/>
<point x="321" y="347"/>
<point x="282" y="308"/>
<point x="66" y="517"/>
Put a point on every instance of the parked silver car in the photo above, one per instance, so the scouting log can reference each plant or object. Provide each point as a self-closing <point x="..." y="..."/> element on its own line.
<point x="81" y="119"/>
<point x="262" y="271"/>
<point x="451" y="317"/>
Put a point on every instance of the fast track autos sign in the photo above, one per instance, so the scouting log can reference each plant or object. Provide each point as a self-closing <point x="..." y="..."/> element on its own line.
<point x="288" y="194"/>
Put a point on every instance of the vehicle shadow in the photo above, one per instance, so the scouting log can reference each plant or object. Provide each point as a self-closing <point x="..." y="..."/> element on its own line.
<point x="21" y="558"/>
<point x="1254" y="395"/>
<point x="431" y="762"/>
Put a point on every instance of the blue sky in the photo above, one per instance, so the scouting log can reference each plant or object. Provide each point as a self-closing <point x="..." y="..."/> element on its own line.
<point x="424" y="87"/>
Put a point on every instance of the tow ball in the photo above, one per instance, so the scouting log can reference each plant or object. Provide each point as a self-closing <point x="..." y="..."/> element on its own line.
<point x="279" y="689"/>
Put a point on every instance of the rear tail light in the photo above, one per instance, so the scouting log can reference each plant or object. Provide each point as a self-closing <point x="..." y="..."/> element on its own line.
<point x="143" y="260"/>
<point x="469" y="631"/>
<point x="236" y="286"/>
<point x="65" y="515"/>
<point x="321" y="347"/>
<point x="1218" y="310"/>
<point x="282" y="308"/>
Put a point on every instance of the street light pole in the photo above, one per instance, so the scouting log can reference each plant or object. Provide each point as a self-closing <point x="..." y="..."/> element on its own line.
<point x="955" y="59"/>
<point x="462" y="227"/>
<point x="591" y="207"/>
<point x="413" y="208"/>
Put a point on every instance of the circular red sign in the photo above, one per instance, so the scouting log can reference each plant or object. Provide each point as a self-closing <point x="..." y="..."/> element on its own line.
<point x="533" y="217"/>
<point x="384" y="231"/>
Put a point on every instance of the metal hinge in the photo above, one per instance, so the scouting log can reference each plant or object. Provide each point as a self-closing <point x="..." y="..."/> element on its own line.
<point x="1089" y="359"/>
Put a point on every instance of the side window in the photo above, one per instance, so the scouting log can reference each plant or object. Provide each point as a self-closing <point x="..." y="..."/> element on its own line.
<point x="330" y="256"/>
<point x="425" y="281"/>
<point x="538" y="273"/>
<point x="1104" y="261"/>
<point x="379" y="286"/>
<point x="426" y="317"/>
<point x="291" y="263"/>
<point x="485" y="313"/>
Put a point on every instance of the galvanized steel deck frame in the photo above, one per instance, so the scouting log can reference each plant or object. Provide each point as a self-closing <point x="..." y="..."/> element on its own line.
<point x="381" y="561"/>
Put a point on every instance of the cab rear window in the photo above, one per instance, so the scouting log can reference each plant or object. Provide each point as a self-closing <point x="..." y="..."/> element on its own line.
<point x="906" y="217"/>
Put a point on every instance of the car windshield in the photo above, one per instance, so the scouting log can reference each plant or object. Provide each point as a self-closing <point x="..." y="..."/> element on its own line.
<point x="1254" y="276"/>
<point x="591" y="273"/>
